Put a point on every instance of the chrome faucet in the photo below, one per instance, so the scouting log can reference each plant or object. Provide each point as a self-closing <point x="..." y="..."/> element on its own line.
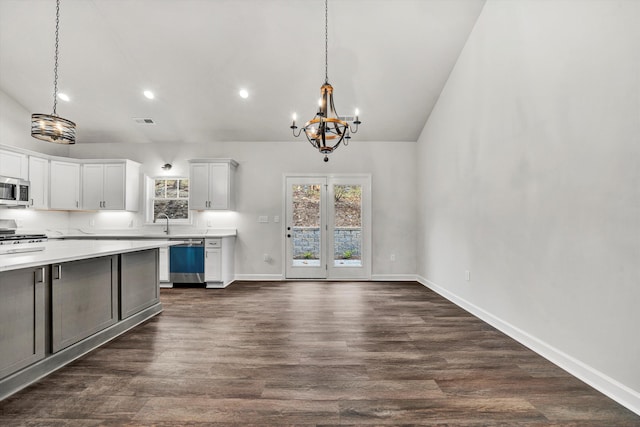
<point x="166" y="230"/>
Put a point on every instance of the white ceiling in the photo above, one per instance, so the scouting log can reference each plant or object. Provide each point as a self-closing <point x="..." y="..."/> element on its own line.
<point x="389" y="58"/>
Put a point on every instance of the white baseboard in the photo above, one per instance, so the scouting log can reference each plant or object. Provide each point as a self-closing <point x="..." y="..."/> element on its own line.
<point x="259" y="277"/>
<point x="374" y="277"/>
<point x="596" y="379"/>
<point x="393" y="277"/>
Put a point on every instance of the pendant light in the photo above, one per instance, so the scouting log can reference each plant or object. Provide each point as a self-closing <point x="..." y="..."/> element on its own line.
<point x="51" y="127"/>
<point x="326" y="131"/>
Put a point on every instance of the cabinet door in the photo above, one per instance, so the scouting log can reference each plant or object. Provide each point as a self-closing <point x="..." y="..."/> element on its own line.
<point x="14" y="165"/>
<point x="139" y="284"/>
<point x="64" y="185"/>
<point x="22" y="316"/>
<point x="39" y="178"/>
<point x="113" y="186"/>
<point x="164" y="265"/>
<point x="92" y="183"/>
<point x="84" y="299"/>
<point x="213" y="265"/>
<point x="199" y="186"/>
<point x="219" y="186"/>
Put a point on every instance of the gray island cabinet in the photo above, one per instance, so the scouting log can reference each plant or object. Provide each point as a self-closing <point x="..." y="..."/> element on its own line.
<point x="54" y="312"/>
<point x="22" y="318"/>
<point x="84" y="299"/>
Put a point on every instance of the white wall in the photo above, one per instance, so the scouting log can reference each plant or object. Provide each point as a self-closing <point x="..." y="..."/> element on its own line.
<point x="15" y="130"/>
<point x="529" y="177"/>
<point x="260" y="191"/>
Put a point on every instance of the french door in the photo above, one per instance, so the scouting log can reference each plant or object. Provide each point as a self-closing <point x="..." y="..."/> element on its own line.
<point x="328" y="227"/>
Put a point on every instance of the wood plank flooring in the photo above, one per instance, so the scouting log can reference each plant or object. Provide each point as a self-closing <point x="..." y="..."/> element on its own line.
<point x="312" y="353"/>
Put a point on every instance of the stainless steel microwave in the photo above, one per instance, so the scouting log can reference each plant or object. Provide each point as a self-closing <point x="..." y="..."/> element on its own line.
<point x="14" y="191"/>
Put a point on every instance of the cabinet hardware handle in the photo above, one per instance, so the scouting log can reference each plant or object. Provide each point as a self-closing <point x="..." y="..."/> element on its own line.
<point x="77" y="204"/>
<point x="41" y="278"/>
<point x="58" y="270"/>
<point x="289" y="235"/>
<point x="31" y="202"/>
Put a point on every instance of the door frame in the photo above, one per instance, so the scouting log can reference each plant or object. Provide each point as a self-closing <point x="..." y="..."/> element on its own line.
<point x="333" y="273"/>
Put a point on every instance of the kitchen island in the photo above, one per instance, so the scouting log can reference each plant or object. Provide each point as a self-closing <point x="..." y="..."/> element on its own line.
<point x="219" y="243"/>
<point x="66" y="298"/>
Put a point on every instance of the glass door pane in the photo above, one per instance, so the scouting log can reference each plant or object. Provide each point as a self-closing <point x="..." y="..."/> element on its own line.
<point x="305" y="228"/>
<point x="347" y="229"/>
<point x="306" y="225"/>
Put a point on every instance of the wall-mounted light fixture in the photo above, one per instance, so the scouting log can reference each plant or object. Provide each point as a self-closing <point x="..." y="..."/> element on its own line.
<point x="167" y="166"/>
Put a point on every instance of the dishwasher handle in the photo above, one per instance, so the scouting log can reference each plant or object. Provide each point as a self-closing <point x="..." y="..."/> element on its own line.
<point x="190" y="242"/>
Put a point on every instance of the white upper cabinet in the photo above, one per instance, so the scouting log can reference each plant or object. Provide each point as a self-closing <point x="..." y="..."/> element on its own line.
<point x="39" y="178"/>
<point x="64" y="185"/>
<point x="111" y="186"/>
<point x="211" y="184"/>
<point x="14" y="165"/>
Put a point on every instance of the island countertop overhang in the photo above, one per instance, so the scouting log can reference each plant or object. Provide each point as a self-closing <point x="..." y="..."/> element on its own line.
<point x="59" y="251"/>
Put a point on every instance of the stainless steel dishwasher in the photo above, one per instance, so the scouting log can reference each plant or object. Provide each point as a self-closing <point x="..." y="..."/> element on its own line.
<point x="186" y="261"/>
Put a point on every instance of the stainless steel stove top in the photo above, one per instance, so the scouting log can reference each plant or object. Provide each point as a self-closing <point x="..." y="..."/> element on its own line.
<point x="13" y="239"/>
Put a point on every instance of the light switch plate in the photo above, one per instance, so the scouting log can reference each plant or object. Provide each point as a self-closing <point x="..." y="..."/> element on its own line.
<point x="263" y="218"/>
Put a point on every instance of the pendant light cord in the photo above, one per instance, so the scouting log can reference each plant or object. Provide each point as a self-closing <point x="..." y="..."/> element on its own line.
<point x="326" y="42"/>
<point x="55" y="67"/>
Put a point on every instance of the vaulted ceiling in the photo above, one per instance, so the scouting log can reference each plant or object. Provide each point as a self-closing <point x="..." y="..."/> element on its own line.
<point x="388" y="58"/>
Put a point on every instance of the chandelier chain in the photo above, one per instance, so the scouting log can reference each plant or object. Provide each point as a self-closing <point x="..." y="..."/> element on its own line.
<point x="326" y="41"/>
<point x="55" y="66"/>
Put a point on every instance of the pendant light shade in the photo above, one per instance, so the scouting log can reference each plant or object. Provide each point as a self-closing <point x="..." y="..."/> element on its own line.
<point x="51" y="127"/>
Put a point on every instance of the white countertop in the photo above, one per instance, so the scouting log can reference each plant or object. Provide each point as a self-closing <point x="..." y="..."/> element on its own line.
<point x="56" y="251"/>
<point x="141" y="234"/>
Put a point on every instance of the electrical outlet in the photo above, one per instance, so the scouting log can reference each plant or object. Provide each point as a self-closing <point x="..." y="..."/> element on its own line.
<point x="266" y="257"/>
<point x="208" y="223"/>
<point x="392" y="258"/>
<point x="467" y="275"/>
<point x="92" y="223"/>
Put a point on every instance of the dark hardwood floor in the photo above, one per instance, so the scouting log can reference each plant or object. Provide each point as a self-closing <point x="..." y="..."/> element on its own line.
<point x="312" y="353"/>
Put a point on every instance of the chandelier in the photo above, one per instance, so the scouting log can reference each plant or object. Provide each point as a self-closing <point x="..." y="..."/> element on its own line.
<point x="51" y="127"/>
<point x="326" y="131"/>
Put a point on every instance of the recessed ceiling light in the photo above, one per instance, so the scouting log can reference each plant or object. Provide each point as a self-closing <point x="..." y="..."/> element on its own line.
<point x="244" y="94"/>
<point x="149" y="94"/>
<point x="63" y="96"/>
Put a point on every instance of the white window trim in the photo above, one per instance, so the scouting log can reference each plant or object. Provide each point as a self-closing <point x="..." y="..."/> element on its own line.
<point x="149" y="196"/>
